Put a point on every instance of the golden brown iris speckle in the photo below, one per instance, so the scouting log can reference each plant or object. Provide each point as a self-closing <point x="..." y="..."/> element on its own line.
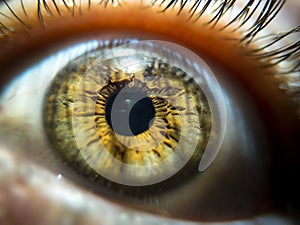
<point x="83" y="94"/>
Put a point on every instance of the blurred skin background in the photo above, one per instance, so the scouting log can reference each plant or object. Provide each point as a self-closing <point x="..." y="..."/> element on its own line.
<point x="35" y="191"/>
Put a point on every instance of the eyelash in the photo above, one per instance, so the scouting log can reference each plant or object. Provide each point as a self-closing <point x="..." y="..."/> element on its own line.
<point x="249" y="21"/>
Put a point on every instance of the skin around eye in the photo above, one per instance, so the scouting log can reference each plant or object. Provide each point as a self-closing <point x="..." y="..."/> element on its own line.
<point x="247" y="72"/>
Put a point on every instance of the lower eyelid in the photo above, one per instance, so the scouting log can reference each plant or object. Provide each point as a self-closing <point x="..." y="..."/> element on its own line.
<point x="63" y="203"/>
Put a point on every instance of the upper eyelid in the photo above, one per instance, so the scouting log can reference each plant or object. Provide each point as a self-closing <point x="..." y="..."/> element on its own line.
<point x="251" y="32"/>
<point x="217" y="10"/>
<point x="249" y="17"/>
<point x="258" y="14"/>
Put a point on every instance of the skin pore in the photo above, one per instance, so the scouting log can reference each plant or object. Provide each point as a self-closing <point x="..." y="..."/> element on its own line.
<point x="24" y="47"/>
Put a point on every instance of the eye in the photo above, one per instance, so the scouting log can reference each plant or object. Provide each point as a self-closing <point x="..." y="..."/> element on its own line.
<point x="243" y="74"/>
<point x="164" y="90"/>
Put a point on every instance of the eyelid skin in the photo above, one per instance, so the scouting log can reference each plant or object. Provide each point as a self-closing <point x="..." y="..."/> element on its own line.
<point x="249" y="72"/>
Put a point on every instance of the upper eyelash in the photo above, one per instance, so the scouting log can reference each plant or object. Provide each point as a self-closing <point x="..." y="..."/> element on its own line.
<point x="268" y="50"/>
<point x="221" y="7"/>
<point x="253" y="24"/>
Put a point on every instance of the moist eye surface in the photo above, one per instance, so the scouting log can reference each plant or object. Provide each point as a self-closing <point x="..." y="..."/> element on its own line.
<point x="131" y="115"/>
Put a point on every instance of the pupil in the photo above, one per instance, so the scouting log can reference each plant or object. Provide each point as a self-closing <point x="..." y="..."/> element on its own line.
<point x="129" y="112"/>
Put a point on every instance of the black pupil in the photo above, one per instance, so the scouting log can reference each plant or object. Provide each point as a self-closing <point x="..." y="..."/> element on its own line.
<point x="132" y="104"/>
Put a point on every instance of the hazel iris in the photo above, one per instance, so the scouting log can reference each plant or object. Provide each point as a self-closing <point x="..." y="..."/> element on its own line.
<point x="133" y="119"/>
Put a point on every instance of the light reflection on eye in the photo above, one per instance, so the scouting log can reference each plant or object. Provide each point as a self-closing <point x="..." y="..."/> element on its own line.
<point x="167" y="201"/>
